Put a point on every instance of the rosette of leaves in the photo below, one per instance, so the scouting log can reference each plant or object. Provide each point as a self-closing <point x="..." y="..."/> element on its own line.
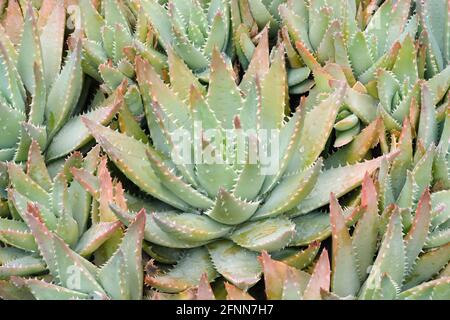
<point x="248" y="18"/>
<point x="330" y="32"/>
<point x="38" y="96"/>
<point x="221" y="215"/>
<point x="114" y="32"/>
<point x="71" y="276"/>
<point x="66" y="208"/>
<point x="375" y="256"/>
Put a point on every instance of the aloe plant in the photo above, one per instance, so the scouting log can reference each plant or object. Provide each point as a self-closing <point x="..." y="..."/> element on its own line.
<point x="222" y="214"/>
<point x="65" y="207"/>
<point x="382" y="62"/>
<point x="40" y="94"/>
<point x="74" y="277"/>
<point x="224" y="149"/>
<point x="30" y="69"/>
<point x="407" y="264"/>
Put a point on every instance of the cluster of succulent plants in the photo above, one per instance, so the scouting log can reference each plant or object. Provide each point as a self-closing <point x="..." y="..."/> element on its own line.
<point x="119" y="180"/>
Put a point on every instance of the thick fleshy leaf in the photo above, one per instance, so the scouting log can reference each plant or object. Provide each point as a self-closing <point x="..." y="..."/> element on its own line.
<point x="344" y="180"/>
<point x="75" y="134"/>
<point x="273" y="91"/>
<point x="42" y="290"/>
<point x="189" y="226"/>
<point x="314" y="226"/>
<point x="268" y="235"/>
<point x="204" y="290"/>
<point x="177" y="185"/>
<point x="62" y="262"/>
<point x="358" y="148"/>
<point x="417" y="235"/>
<point x="153" y="233"/>
<point x="129" y="155"/>
<point x="52" y="41"/>
<point x="122" y="275"/>
<point x="185" y="274"/>
<point x="237" y="265"/>
<point x="391" y="257"/>
<point x="427" y="123"/>
<point x="365" y="236"/>
<point x="24" y="266"/>
<point x="428" y="265"/>
<point x="290" y="191"/>
<point x="320" y="278"/>
<point x="434" y="290"/>
<point x="315" y="134"/>
<point x="345" y="281"/>
<point x="275" y="276"/>
<point x="26" y="186"/>
<point x="234" y="293"/>
<point x="230" y="210"/>
<point x="95" y="236"/>
<point x="64" y="94"/>
<point x="223" y="97"/>
<point x="299" y="259"/>
<point x="36" y="168"/>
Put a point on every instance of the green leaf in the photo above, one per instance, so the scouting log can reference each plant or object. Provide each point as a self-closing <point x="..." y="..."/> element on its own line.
<point x="223" y="97"/>
<point x="75" y="134"/>
<point x="428" y="265"/>
<point x="299" y="259"/>
<point x="365" y="235"/>
<point x="189" y="226"/>
<point x="177" y="185"/>
<point x="10" y="119"/>
<point x="153" y="232"/>
<point x="92" y="21"/>
<point x="273" y="93"/>
<point x="52" y="41"/>
<point x="235" y="264"/>
<point x="42" y="290"/>
<point x="344" y="180"/>
<point x="276" y="278"/>
<point x="186" y="273"/>
<point x="290" y="191"/>
<point x="16" y="234"/>
<point x="427" y="132"/>
<point x="231" y="210"/>
<point x="29" y="50"/>
<point x="320" y="278"/>
<point x="391" y="256"/>
<point x="435" y="290"/>
<point x="314" y="134"/>
<point x="122" y="275"/>
<point x="417" y="235"/>
<point x="265" y="235"/>
<point x="64" y="94"/>
<point x="345" y="280"/>
<point x="95" y="236"/>
<point x="130" y="157"/>
<point x="24" y="266"/>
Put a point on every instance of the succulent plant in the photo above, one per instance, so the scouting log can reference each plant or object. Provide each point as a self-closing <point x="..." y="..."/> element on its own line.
<point x="407" y="265"/>
<point x="223" y="213"/>
<point x="31" y="72"/>
<point x="66" y="209"/>
<point x="74" y="277"/>
<point x="224" y="149"/>
<point x="382" y="63"/>
<point x="329" y="30"/>
<point x="192" y="29"/>
<point x="113" y="33"/>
